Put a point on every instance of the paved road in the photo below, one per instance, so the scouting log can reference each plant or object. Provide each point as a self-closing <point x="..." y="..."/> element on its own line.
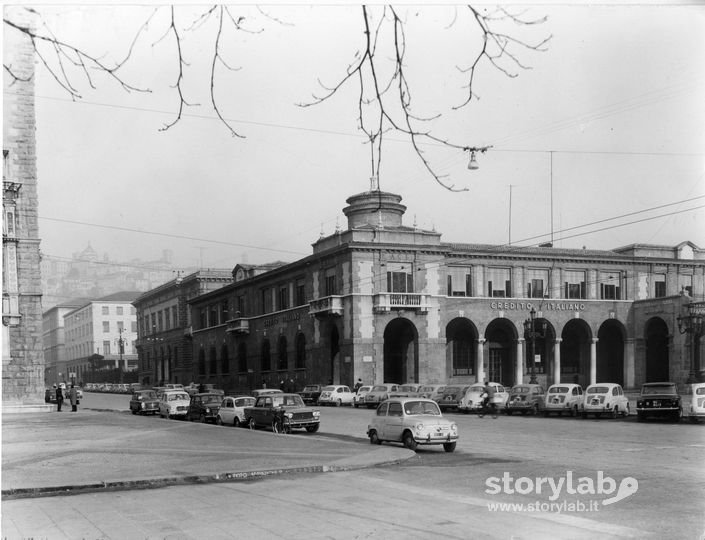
<point x="434" y="494"/>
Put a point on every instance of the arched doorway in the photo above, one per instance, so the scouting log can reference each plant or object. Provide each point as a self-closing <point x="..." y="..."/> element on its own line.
<point x="542" y="349"/>
<point x="401" y="358"/>
<point x="461" y="349"/>
<point x="610" y="352"/>
<point x="575" y="352"/>
<point x="501" y="339"/>
<point x="657" y="359"/>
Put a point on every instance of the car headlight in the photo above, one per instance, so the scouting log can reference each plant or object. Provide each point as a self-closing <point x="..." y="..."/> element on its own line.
<point x="316" y="414"/>
<point x="454" y="428"/>
<point x="419" y="426"/>
<point x="289" y="415"/>
<point x="208" y="411"/>
<point x="142" y="405"/>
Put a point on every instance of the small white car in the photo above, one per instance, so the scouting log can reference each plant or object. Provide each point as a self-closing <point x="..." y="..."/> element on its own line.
<point x="336" y="394"/>
<point x="412" y="421"/>
<point x="694" y="402"/>
<point x="472" y="400"/>
<point x="563" y="398"/>
<point x="379" y="393"/>
<point x="431" y="391"/>
<point x="605" y="398"/>
<point x="232" y="410"/>
<point x="359" y="398"/>
<point x="406" y="390"/>
<point x="174" y="404"/>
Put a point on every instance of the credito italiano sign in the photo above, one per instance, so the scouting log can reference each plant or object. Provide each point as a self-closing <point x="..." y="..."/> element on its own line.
<point x="546" y="306"/>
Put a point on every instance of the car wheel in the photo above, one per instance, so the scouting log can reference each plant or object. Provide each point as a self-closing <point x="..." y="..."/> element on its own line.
<point x="535" y="410"/>
<point x="313" y="429"/>
<point x="202" y="418"/>
<point x="161" y="415"/>
<point x="134" y="411"/>
<point x="236" y="422"/>
<point x="598" y="415"/>
<point x="218" y="421"/>
<point x="545" y="413"/>
<point x="356" y="404"/>
<point x="507" y="412"/>
<point x="694" y="420"/>
<point x="640" y="417"/>
<point x="252" y="424"/>
<point x="374" y="439"/>
<point x="677" y="415"/>
<point x="339" y="403"/>
<point x="626" y="411"/>
<point x="584" y="415"/>
<point x="449" y="446"/>
<point x="408" y="440"/>
<point x="574" y="411"/>
<point x="615" y="412"/>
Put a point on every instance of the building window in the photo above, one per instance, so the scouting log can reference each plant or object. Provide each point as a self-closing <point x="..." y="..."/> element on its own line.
<point x="224" y="311"/>
<point x="574" y="284"/>
<point x="536" y="283"/>
<point x="212" y="315"/>
<point x="462" y="357"/>
<point x="154" y="322"/>
<point x="266" y="300"/>
<point x="133" y="327"/>
<point x="300" y="351"/>
<point x="118" y="310"/>
<point x="201" y="362"/>
<point x="300" y="293"/>
<point x="175" y="316"/>
<point x="106" y="348"/>
<point x="224" y="359"/>
<point x="105" y="310"/>
<point x="331" y="287"/>
<point x="659" y="285"/>
<point x="499" y="282"/>
<point x="121" y="326"/>
<point x="212" y="361"/>
<point x="242" y="358"/>
<point x="266" y="360"/>
<point x="203" y="318"/>
<point x="459" y="281"/>
<point x="610" y="285"/>
<point x="283" y="297"/>
<point x="283" y="358"/>
<point x="399" y="279"/>
<point x="685" y="283"/>
<point x="241" y="305"/>
<point x="160" y="321"/>
<point x="106" y="327"/>
<point x="167" y="319"/>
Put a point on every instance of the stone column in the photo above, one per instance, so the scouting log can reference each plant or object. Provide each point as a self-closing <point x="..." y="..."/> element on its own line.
<point x="557" y="361"/>
<point x="593" y="361"/>
<point x="629" y="375"/>
<point x="519" y="364"/>
<point x="480" y="360"/>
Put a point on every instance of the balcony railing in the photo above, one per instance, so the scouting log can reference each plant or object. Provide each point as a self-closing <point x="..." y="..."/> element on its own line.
<point x="239" y="326"/>
<point x="412" y="301"/>
<point x="328" y="305"/>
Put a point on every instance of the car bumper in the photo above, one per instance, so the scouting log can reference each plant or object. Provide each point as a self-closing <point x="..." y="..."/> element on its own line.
<point x="435" y="439"/>
<point x="656" y="412"/>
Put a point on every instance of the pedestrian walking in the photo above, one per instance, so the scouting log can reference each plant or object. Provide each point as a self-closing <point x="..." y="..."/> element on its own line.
<point x="73" y="396"/>
<point x="59" y="398"/>
<point x="488" y="404"/>
<point x="358" y="385"/>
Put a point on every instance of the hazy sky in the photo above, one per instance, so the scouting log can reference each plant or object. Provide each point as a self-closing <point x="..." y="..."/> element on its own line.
<point x="616" y="104"/>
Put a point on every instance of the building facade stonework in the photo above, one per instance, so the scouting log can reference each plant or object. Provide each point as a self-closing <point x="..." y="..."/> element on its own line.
<point x="22" y="358"/>
<point x="389" y="303"/>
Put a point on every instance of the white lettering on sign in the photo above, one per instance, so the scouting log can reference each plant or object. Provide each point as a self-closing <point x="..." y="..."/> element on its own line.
<point x="550" y="306"/>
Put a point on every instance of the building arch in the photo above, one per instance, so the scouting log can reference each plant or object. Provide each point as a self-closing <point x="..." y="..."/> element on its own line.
<point x="610" y="352"/>
<point x="401" y="352"/>
<point x="543" y="349"/>
<point x="501" y="336"/>
<point x="282" y="354"/>
<point x="224" y="359"/>
<point x="461" y="347"/>
<point x="242" y="357"/>
<point x="657" y="366"/>
<point x="576" y="339"/>
<point x="212" y="361"/>
<point x="265" y="357"/>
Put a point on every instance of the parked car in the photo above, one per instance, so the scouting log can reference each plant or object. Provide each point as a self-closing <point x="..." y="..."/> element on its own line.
<point x="659" y="400"/>
<point x="406" y="390"/>
<point x="204" y="407"/>
<point x="298" y="415"/>
<point x="472" y="400"/>
<point x="232" y="410"/>
<point x="359" y="398"/>
<point x="605" y="398"/>
<point x="563" y="398"/>
<point x="311" y="393"/>
<point x="694" y="406"/>
<point x="379" y="393"/>
<point x="525" y="398"/>
<point x="431" y="391"/>
<point x="50" y="395"/>
<point x="412" y="421"/>
<point x="144" y="402"/>
<point x="451" y="396"/>
<point x="173" y="404"/>
<point x="265" y="392"/>
<point x="336" y="395"/>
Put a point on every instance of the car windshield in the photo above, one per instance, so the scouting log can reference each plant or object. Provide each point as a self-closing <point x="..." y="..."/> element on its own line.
<point x="478" y="388"/>
<point x="328" y="389"/>
<point x="558" y="390"/>
<point x="287" y="401"/>
<point x="148" y="395"/>
<point x="245" y="402"/>
<point x="177" y="397"/>
<point x="407" y="388"/>
<point x="700" y="391"/>
<point x="520" y="390"/>
<point x="598" y="390"/>
<point x="211" y="399"/>
<point x="379" y="389"/>
<point x="311" y="388"/>
<point x="414" y="408"/>
<point x="658" y="389"/>
<point x="452" y="390"/>
<point x="364" y="389"/>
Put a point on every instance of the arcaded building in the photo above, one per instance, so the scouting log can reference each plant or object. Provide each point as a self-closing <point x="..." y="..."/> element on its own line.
<point x="387" y="302"/>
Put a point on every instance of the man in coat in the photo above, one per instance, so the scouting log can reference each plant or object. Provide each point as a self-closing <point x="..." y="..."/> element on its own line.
<point x="73" y="396"/>
<point x="59" y="397"/>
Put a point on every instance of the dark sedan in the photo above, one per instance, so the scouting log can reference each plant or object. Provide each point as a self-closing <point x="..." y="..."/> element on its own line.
<point x="204" y="407"/>
<point x="290" y="408"/>
<point x="144" y="402"/>
<point x="659" y="399"/>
